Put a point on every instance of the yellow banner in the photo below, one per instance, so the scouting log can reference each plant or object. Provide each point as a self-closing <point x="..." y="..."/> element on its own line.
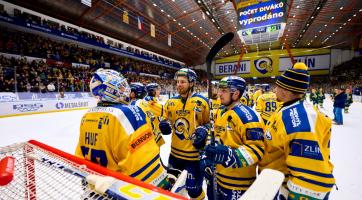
<point x="273" y="63"/>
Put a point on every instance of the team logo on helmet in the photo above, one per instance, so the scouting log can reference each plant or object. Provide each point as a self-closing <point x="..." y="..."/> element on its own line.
<point x="264" y="65"/>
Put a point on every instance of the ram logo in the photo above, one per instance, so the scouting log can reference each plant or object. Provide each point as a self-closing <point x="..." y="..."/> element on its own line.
<point x="264" y="65"/>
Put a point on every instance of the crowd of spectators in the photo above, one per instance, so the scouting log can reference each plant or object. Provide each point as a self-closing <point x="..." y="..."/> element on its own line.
<point x="348" y="75"/>
<point x="36" y="75"/>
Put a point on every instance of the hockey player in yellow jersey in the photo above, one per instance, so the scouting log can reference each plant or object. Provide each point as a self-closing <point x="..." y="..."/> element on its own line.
<point x="138" y="92"/>
<point x="266" y="104"/>
<point x="244" y="99"/>
<point x="185" y="112"/>
<point x="155" y="109"/>
<point x="297" y="139"/>
<point x="239" y="142"/>
<point x="215" y="98"/>
<point x="257" y="93"/>
<point x="116" y="135"/>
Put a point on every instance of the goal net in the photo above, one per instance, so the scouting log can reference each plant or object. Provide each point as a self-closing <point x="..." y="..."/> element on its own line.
<point x="49" y="177"/>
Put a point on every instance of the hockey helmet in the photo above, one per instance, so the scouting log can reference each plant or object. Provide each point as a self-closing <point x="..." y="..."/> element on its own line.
<point x="189" y="73"/>
<point x="110" y="86"/>
<point x="139" y="89"/>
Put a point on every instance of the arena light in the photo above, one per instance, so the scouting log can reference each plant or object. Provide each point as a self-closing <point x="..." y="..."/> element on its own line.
<point x="154" y="4"/>
<point x="341" y="8"/>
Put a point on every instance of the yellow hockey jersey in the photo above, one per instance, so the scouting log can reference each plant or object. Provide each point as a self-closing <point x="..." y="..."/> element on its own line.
<point x="216" y="104"/>
<point x="297" y="143"/>
<point x="185" y="116"/>
<point x="256" y="95"/>
<point x="244" y="101"/>
<point x="117" y="137"/>
<point x="241" y="129"/>
<point x="153" y="110"/>
<point x="267" y="105"/>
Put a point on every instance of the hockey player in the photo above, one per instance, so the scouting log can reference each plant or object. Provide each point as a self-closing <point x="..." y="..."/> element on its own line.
<point x="267" y="103"/>
<point x="244" y="99"/>
<point x="297" y="140"/>
<point x="154" y="110"/>
<point x="138" y="91"/>
<point x="239" y="146"/>
<point x="116" y="136"/>
<point x="349" y="100"/>
<point x="314" y="97"/>
<point x="186" y="111"/>
<point x="320" y="97"/>
<point x="215" y="98"/>
<point x="257" y="92"/>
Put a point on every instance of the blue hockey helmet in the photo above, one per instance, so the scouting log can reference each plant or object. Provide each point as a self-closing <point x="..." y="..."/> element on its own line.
<point x="139" y="89"/>
<point x="110" y="86"/>
<point x="265" y="87"/>
<point x="189" y="73"/>
<point x="151" y="87"/>
<point x="234" y="83"/>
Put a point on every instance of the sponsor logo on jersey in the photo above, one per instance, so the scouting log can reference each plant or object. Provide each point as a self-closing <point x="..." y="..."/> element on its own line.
<point x="268" y="135"/>
<point x="305" y="148"/>
<point x="27" y="107"/>
<point x="246" y="112"/>
<point x="182" y="112"/>
<point x="294" y="117"/>
<point x="139" y="141"/>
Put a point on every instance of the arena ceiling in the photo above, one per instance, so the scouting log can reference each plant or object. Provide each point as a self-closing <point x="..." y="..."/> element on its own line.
<point x="195" y="25"/>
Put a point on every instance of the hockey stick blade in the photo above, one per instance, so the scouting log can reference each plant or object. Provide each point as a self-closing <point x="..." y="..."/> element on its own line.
<point x="224" y="40"/>
<point x="180" y="185"/>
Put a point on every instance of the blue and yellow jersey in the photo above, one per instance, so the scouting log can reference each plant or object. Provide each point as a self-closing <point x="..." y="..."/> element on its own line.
<point x="297" y="142"/>
<point x="154" y="111"/>
<point x="241" y="129"/>
<point x="244" y="100"/>
<point x="185" y="116"/>
<point x="117" y="137"/>
<point x="267" y="105"/>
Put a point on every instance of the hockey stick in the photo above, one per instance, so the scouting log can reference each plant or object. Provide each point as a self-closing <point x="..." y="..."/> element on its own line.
<point x="224" y="40"/>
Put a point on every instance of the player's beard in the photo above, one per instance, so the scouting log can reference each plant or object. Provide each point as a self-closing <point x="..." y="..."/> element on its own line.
<point x="182" y="91"/>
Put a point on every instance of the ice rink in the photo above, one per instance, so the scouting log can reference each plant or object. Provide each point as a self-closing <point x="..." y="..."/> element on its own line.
<point x="60" y="130"/>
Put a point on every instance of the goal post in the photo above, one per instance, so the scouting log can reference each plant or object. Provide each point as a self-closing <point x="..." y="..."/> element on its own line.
<point x="34" y="179"/>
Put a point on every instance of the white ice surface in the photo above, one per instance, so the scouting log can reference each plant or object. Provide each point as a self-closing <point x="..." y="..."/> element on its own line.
<point x="60" y="130"/>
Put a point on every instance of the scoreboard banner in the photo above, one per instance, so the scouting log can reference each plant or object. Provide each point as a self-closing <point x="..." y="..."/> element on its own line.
<point x="273" y="63"/>
<point x="262" y="14"/>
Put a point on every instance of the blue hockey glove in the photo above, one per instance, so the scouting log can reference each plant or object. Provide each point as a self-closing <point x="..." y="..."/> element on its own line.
<point x="165" y="127"/>
<point x="199" y="137"/>
<point x="223" y="155"/>
<point x="206" y="165"/>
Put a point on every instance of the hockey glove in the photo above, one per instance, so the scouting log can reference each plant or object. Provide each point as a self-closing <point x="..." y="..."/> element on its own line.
<point x="206" y="166"/>
<point x="223" y="155"/>
<point x="199" y="137"/>
<point x="165" y="127"/>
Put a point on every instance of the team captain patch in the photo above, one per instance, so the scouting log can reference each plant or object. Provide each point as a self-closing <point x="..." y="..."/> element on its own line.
<point x="140" y="140"/>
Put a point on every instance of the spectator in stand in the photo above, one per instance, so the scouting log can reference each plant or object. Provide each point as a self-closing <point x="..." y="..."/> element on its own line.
<point x="338" y="106"/>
